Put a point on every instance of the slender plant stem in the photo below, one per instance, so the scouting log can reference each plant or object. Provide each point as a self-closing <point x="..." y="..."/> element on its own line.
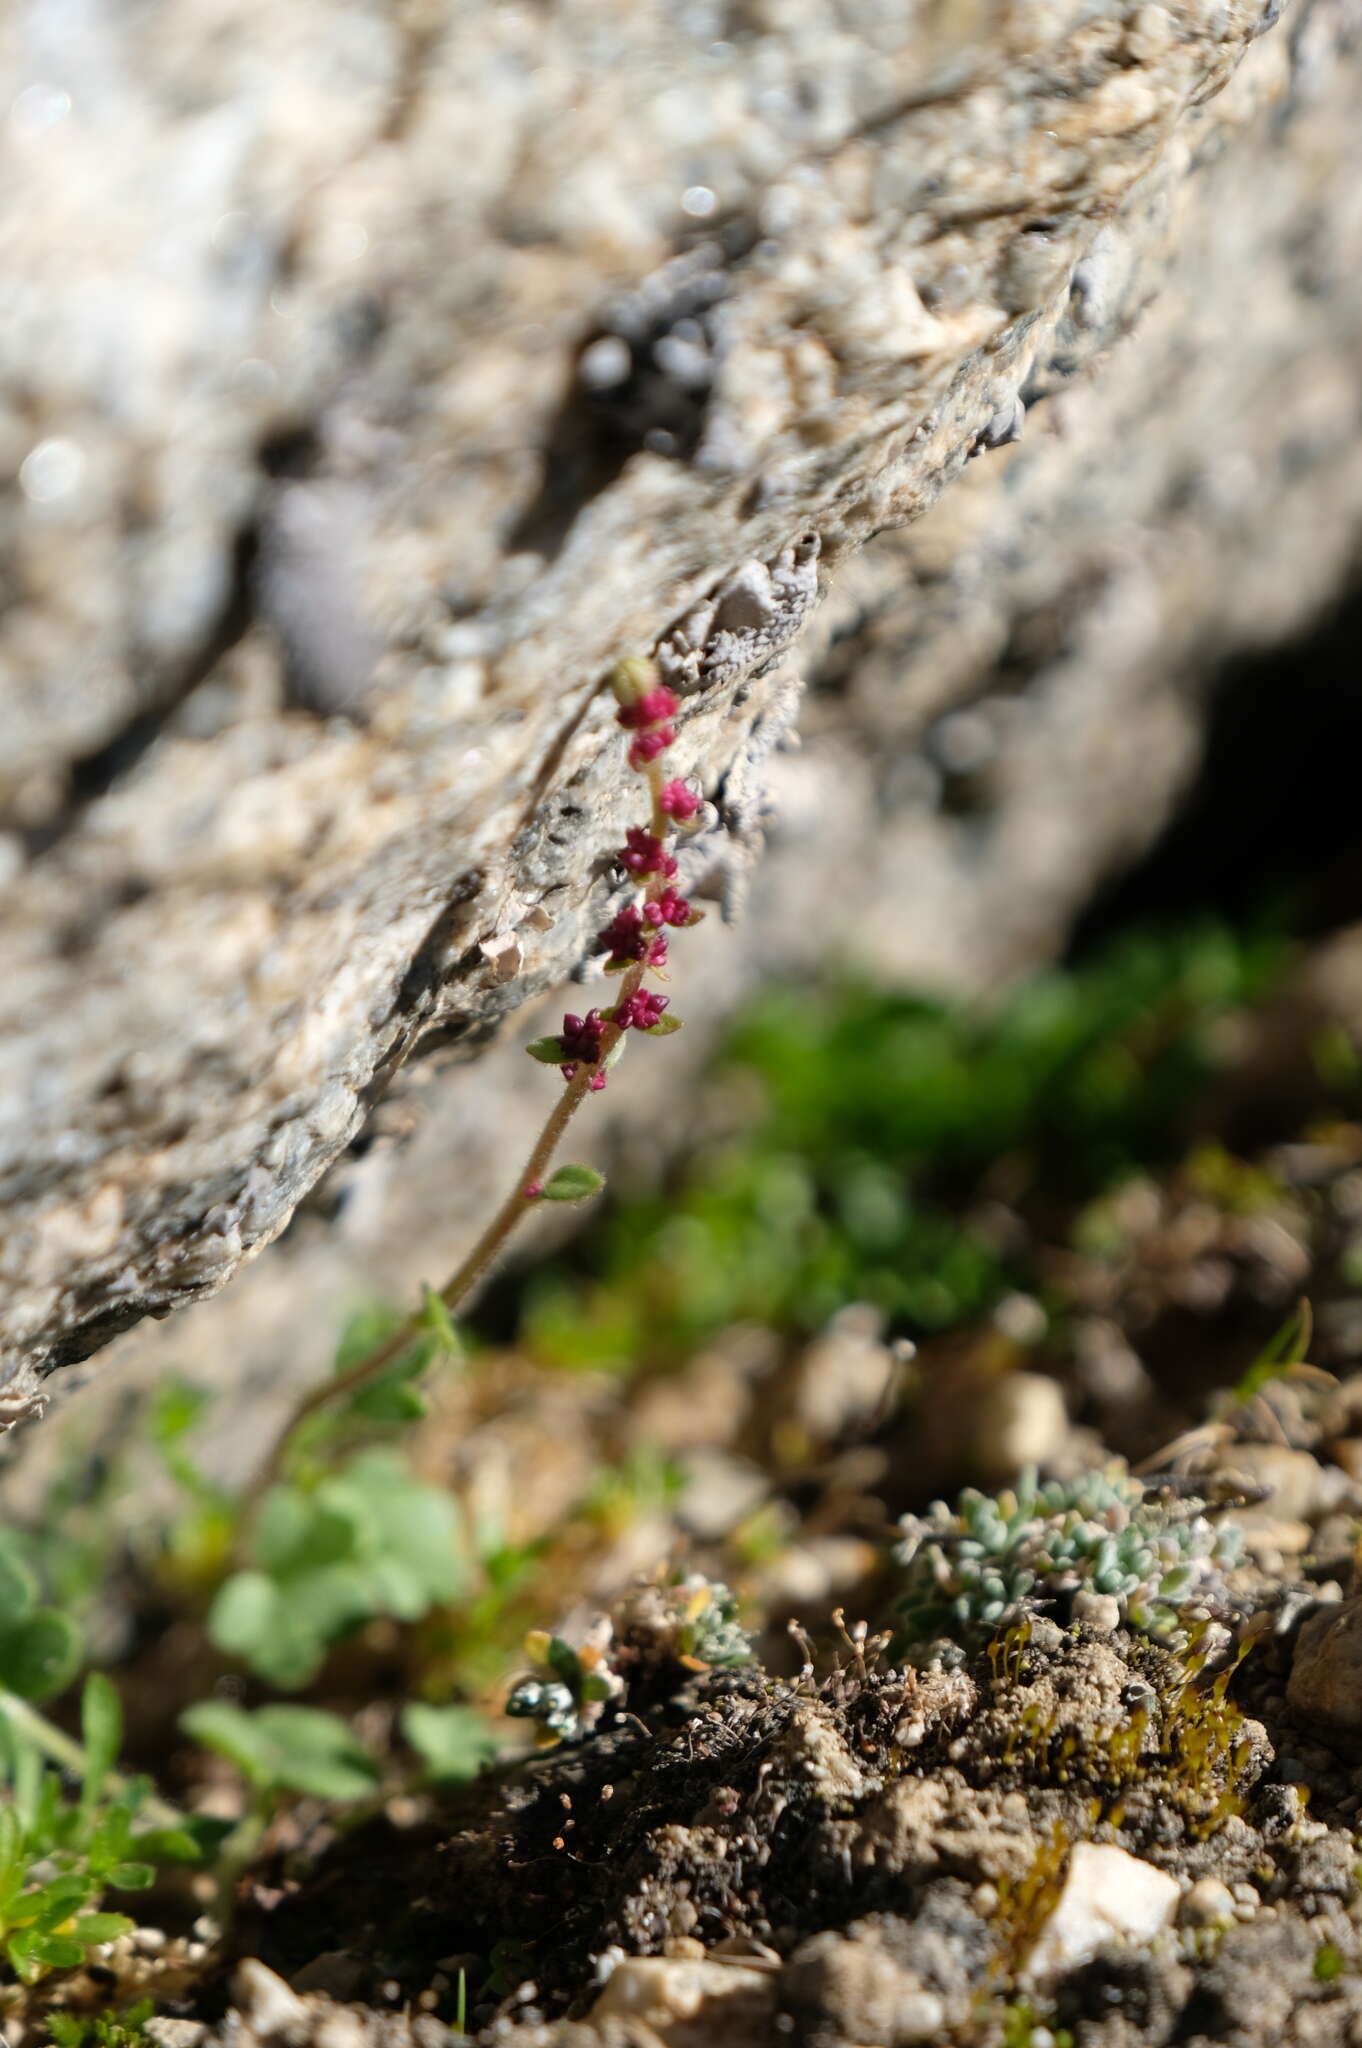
<point x="461" y="1282"/>
<point x="523" y="1195"/>
<point x="63" y="1749"/>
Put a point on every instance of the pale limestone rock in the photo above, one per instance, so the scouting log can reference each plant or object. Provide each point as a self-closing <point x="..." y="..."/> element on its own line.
<point x="1107" y="1896"/>
<point x="689" y="2003"/>
<point x="269" y="2008"/>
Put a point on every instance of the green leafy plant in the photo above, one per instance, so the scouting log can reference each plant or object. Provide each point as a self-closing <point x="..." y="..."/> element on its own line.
<point x="368" y="1540"/>
<point x="59" y="1855"/>
<point x="708" y="1631"/>
<point x="286" y="1748"/>
<point x="690" y="1624"/>
<point x="566" y="1691"/>
<point x="126" y="2029"/>
<point x="970" y="1567"/>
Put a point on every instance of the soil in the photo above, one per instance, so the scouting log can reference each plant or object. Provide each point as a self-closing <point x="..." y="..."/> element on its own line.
<point x="873" y="1852"/>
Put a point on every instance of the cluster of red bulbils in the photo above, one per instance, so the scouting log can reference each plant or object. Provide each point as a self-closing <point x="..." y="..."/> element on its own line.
<point x="637" y="934"/>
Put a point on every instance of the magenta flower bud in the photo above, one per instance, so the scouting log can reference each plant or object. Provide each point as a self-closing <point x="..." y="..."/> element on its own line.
<point x="623" y="937"/>
<point x="596" y="1083"/>
<point x="644" y="854"/>
<point x="641" y="1010"/>
<point x="648" y="745"/>
<point x="668" y="909"/>
<point x="678" y="802"/>
<point x="652" y="708"/>
<point x="581" y="1037"/>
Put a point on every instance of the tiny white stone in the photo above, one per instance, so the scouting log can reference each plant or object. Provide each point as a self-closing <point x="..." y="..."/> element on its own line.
<point x="1107" y="1895"/>
<point x="698" y="202"/>
<point x="267" y="2004"/>
<point x="38" y="108"/>
<point x="920" y="2017"/>
<point x="605" y="363"/>
<point x="51" y="470"/>
<point x="1207" y="1903"/>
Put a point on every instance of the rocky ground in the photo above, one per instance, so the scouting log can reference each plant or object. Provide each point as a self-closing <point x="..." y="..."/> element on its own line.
<point x="1078" y="1759"/>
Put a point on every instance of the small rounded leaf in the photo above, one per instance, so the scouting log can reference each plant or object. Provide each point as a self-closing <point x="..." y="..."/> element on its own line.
<point x="102" y="1926"/>
<point x="41" y="1656"/>
<point x="436" y="1318"/>
<point x="548" y="1051"/>
<point x="573" y="1184"/>
<point x="18" y="1589"/>
<point x="452" y="1742"/>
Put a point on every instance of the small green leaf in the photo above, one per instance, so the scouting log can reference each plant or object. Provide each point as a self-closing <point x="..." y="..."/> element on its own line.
<point x="548" y="1051"/>
<point x="179" y="1845"/>
<point x="18" y="1590"/>
<point x="663" y="1028"/>
<point x="47" y="1905"/>
<point x="229" y="1730"/>
<point x="573" y="1184"/>
<point x="58" y="1950"/>
<point x="390" y="1400"/>
<point x="436" y="1317"/>
<point x="282" y="1626"/>
<point x="40" y="1656"/>
<point x="365" y="1330"/>
<point x="616" y="1052"/>
<point x="285" y="1748"/>
<point x="296" y="1532"/>
<point x="563" y="1659"/>
<point x="452" y="1742"/>
<point x="25" y="1965"/>
<point x="244" y="1612"/>
<point x="11" y="1842"/>
<point x="131" y="1877"/>
<point x="102" y="1926"/>
<point x="316" y="1752"/>
<point x="101" y="1727"/>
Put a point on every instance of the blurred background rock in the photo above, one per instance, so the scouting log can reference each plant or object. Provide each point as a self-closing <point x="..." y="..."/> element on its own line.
<point x="371" y="378"/>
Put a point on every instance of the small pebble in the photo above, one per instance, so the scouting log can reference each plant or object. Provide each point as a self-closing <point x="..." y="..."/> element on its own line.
<point x="1208" y="1904"/>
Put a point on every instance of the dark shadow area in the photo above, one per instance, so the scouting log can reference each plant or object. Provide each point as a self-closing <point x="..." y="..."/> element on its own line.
<point x="1272" y="818"/>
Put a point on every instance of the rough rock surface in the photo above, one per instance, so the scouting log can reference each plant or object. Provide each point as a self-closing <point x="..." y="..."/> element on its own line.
<point x="464" y="362"/>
